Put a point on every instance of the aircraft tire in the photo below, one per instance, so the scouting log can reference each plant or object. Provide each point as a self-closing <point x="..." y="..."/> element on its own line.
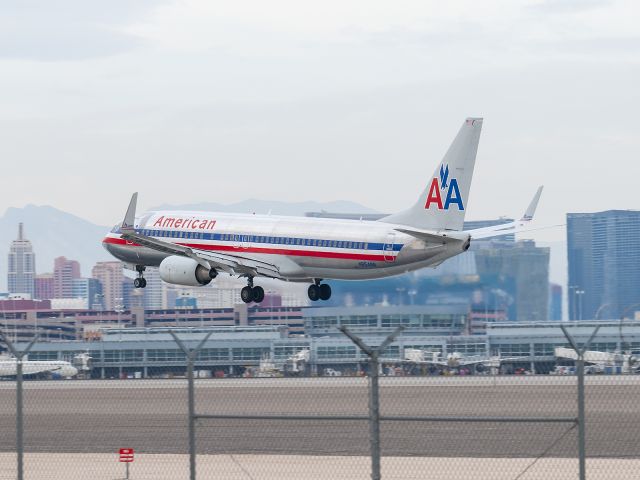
<point x="137" y="283"/>
<point x="246" y="294"/>
<point x="258" y="294"/>
<point x="325" y="291"/>
<point x="143" y="282"/>
<point x="314" y="292"/>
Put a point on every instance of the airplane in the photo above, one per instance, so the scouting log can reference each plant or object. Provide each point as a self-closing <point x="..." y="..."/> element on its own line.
<point x="455" y="360"/>
<point x="192" y="248"/>
<point x="8" y="367"/>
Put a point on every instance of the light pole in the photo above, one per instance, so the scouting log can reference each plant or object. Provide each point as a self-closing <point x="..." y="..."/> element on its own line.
<point x="412" y="293"/>
<point x="119" y="308"/>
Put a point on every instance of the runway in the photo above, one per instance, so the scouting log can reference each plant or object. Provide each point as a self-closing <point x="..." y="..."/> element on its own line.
<point x="101" y="466"/>
<point x="150" y="416"/>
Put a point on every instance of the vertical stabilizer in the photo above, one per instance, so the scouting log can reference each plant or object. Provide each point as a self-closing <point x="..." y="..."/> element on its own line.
<point x="443" y="203"/>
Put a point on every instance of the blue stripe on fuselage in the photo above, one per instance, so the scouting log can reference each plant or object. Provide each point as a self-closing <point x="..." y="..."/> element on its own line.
<point x="264" y="239"/>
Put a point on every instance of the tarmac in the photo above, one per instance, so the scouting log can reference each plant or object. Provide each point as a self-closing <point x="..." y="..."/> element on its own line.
<point x="84" y="422"/>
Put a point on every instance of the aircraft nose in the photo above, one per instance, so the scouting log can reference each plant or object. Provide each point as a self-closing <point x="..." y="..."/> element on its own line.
<point x="107" y="245"/>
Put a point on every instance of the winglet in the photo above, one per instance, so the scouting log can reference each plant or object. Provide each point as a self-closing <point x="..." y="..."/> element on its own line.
<point x="130" y="217"/>
<point x="531" y="209"/>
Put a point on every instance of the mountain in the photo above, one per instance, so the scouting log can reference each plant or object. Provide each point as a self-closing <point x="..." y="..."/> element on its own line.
<point x="275" y="207"/>
<point x="53" y="233"/>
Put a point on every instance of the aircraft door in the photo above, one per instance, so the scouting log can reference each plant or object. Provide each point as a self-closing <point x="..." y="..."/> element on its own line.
<point x="388" y="248"/>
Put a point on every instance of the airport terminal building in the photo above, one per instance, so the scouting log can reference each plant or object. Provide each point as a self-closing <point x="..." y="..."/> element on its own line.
<point x="237" y="350"/>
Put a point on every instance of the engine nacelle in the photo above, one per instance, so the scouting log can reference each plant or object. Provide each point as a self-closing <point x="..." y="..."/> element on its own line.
<point x="184" y="271"/>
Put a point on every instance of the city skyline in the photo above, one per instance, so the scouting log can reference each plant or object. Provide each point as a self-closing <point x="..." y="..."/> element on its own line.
<point x="157" y="298"/>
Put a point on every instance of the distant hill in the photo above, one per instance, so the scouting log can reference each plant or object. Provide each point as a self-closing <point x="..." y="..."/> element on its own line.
<point x="53" y="233"/>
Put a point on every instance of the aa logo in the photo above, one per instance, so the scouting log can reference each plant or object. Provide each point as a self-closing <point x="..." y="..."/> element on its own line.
<point x="437" y="189"/>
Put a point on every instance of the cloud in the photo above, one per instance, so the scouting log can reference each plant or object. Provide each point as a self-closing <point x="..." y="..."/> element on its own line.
<point x="568" y="6"/>
<point x="69" y="30"/>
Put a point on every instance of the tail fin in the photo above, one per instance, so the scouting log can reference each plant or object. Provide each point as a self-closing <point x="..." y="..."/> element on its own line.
<point x="443" y="203"/>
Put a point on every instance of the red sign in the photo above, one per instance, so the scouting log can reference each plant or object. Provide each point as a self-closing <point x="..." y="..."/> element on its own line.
<point x="126" y="455"/>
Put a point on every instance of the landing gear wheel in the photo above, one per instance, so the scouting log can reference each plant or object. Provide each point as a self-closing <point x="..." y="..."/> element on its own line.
<point x="258" y="294"/>
<point x="140" y="282"/>
<point x="314" y="292"/>
<point x="325" y="291"/>
<point x="246" y="294"/>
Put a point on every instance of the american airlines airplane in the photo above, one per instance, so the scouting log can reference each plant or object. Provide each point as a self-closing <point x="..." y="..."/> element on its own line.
<point x="192" y="248"/>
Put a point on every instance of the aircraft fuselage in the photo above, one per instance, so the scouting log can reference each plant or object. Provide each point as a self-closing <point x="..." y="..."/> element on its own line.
<point x="303" y="247"/>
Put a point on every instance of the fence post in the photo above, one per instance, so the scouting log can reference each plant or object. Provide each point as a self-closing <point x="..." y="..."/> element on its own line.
<point x="191" y="356"/>
<point x="374" y="393"/>
<point x="582" y="451"/>
<point x="19" y="355"/>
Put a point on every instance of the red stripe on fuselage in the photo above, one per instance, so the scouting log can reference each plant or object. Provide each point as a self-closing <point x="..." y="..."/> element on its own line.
<point x="270" y="251"/>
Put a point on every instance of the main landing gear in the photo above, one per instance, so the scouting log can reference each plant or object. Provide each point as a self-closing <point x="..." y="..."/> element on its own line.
<point x="319" y="291"/>
<point x="140" y="282"/>
<point x="252" y="294"/>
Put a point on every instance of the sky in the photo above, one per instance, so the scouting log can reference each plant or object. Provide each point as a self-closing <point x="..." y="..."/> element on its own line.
<point x="192" y="101"/>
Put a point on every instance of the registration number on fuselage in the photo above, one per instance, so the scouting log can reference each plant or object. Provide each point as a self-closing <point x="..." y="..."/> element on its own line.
<point x="367" y="264"/>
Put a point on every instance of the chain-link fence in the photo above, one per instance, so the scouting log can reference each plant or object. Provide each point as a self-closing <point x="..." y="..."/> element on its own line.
<point x="433" y="424"/>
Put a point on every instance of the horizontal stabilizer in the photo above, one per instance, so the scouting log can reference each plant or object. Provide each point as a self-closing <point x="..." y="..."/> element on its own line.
<point x="431" y="237"/>
<point x="521" y="225"/>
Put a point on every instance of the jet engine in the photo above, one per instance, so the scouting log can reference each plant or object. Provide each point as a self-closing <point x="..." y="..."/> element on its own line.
<point x="185" y="271"/>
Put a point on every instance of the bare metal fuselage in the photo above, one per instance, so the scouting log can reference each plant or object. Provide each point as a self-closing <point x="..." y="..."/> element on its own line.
<point x="302" y="248"/>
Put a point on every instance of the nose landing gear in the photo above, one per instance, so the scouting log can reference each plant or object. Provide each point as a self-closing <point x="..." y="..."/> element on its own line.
<point x="319" y="291"/>
<point x="140" y="282"/>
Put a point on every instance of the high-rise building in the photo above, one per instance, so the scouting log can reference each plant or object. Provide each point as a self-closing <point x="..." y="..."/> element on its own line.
<point x="22" y="265"/>
<point x="522" y="270"/>
<point x="90" y="290"/>
<point x="604" y="256"/>
<point x="44" y="286"/>
<point x="110" y="276"/>
<point x="154" y="291"/>
<point x="64" y="273"/>
<point x="555" y="302"/>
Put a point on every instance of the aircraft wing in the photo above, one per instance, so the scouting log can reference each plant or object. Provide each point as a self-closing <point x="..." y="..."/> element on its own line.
<point x="233" y="264"/>
<point x="521" y="225"/>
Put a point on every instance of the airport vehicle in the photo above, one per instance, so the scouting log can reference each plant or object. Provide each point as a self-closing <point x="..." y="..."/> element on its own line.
<point x="192" y="248"/>
<point x="455" y="361"/>
<point x="601" y="362"/>
<point x="8" y="367"/>
<point x="296" y="363"/>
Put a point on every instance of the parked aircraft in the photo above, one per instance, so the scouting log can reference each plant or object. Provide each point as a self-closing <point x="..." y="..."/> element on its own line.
<point x="455" y="360"/>
<point x="192" y="248"/>
<point x="8" y="367"/>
